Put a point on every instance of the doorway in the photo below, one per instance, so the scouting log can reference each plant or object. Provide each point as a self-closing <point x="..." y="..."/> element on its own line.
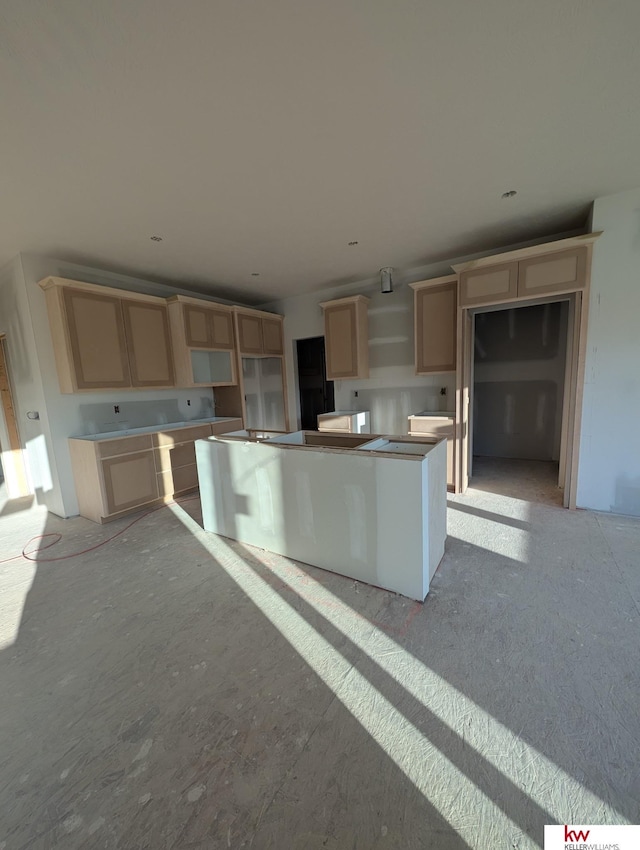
<point x="519" y="364"/>
<point x="14" y="480"/>
<point x="316" y="393"/>
<point x="573" y="321"/>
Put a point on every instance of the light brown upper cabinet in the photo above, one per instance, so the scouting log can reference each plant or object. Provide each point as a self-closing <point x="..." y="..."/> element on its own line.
<point x="346" y="332"/>
<point x="489" y="284"/>
<point x="559" y="272"/>
<point x="435" y="317"/>
<point x="89" y="339"/>
<point x="207" y="327"/>
<point x="553" y="273"/>
<point x="272" y="336"/>
<point x="203" y="342"/>
<point x="107" y="338"/>
<point x="148" y="343"/>
<point x="259" y="333"/>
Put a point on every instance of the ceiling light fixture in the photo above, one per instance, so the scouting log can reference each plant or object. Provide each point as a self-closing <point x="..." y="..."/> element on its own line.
<point x="386" y="281"/>
<point x="509" y="194"/>
<point x="156" y="238"/>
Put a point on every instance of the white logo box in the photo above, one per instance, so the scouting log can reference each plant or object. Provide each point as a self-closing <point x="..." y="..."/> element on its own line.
<point x="592" y="837"/>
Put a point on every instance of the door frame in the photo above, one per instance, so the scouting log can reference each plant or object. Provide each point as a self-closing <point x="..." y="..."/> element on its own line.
<point x="572" y="394"/>
<point x="13" y="459"/>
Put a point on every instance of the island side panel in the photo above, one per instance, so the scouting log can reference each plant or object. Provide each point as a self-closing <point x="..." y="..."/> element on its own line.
<point x="434" y="502"/>
<point x="327" y="509"/>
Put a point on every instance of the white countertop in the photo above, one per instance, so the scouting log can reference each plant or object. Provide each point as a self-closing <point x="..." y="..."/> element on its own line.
<point x="150" y="429"/>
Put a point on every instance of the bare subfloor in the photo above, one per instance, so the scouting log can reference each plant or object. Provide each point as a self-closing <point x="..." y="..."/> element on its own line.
<point x="172" y="689"/>
<point x="533" y="480"/>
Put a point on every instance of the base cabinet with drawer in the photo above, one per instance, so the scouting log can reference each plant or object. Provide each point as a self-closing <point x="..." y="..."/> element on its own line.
<point x="547" y="274"/>
<point x="119" y="475"/>
<point x="430" y="425"/>
<point x="345" y="422"/>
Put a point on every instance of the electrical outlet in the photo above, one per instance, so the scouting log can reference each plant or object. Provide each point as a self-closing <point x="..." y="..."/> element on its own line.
<point x="116" y="408"/>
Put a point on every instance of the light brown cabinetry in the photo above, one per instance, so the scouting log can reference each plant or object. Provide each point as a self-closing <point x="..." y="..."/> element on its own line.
<point x="123" y="474"/>
<point x="129" y="481"/>
<point x="346" y="332"/>
<point x="203" y="343"/>
<point x="107" y="338"/>
<point x="435" y="317"/>
<point x="554" y="273"/>
<point x="438" y="427"/>
<point x="204" y="326"/>
<point x="148" y="344"/>
<point x="89" y="339"/>
<point x="259" y="333"/>
<point x="559" y="272"/>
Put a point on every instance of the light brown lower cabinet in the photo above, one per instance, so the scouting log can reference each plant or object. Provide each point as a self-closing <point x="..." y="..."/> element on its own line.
<point x="438" y="426"/>
<point x="123" y="474"/>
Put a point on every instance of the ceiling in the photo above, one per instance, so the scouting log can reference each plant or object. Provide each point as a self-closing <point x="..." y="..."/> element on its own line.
<point x="263" y="137"/>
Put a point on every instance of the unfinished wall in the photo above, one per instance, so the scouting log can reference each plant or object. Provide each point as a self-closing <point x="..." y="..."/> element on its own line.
<point x="609" y="471"/>
<point x="519" y="365"/>
<point x="62" y="416"/>
<point x="26" y="384"/>
<point x="392" y="391"/>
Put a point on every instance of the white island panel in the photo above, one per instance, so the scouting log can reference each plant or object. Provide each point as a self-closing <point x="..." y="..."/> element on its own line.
<point x="361" y="514"/>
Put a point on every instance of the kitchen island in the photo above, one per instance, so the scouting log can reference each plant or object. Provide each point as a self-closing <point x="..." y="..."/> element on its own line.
<point x="370" y="508"/>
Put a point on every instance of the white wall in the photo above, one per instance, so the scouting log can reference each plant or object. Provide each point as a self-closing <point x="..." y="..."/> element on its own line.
<point x="519" y="367"/>
<point x="609" y="472"/>
<point x="26" y="382"/>
<point x="392" y="391"/>
<point x="36" y="381"/>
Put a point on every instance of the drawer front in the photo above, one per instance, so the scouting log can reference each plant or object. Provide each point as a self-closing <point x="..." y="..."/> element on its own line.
<point x="182" y="435"/>
<point x="185" y="478"/>
<point x="171" y="457"/>
<point x="225" y="427"/>
<point x="124" y="445"/>
<point x="335" y="423"/>
<point x="177" y="481"/>
<point x="431" y="426"/>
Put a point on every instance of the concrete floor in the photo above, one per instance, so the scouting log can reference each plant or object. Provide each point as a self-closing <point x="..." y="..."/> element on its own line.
<point x="171" y="689"/>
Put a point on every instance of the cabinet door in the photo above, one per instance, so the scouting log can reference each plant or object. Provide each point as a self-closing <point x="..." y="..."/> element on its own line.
<point x="436" y="319"/>
<point x="272" y="336"/>
<point x="197" y="327"/>
<point x="249" y="333"/>
<point x="221" y="329"/>
<point x="97" y="338"/>
<point x="149" y="344"/>
<point x="489" y="285"/>
<point x="129" y="480"/>
<point x="340" y="332"/>
<point x="561" y="272"/>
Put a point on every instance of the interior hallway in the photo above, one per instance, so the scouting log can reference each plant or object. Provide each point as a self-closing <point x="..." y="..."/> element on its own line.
<point x="172" y="689"/>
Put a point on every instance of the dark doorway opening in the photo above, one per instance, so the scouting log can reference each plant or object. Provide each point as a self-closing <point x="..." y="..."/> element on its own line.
<point x="316" y="393"/>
